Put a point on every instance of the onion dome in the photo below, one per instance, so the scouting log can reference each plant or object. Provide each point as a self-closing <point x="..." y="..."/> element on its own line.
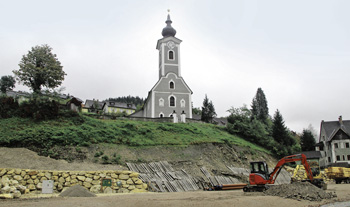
<point x="168" y="30"/>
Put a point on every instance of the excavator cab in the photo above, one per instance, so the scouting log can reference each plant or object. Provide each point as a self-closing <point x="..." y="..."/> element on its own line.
<point x="260" y="168"/>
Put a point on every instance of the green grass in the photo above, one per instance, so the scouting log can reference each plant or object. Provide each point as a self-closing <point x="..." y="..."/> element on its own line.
<point x="84" y="131"/>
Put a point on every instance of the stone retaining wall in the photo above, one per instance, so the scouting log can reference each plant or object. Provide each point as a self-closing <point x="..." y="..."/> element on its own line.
<point x="32" y="180"/>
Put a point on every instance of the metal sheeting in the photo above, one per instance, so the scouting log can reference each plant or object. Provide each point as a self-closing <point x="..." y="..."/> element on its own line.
<point x="163" y="178"/>
<point x="218" y="180"/>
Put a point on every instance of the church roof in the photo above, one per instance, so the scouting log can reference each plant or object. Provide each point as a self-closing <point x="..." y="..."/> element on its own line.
<point x="168" y="30"/>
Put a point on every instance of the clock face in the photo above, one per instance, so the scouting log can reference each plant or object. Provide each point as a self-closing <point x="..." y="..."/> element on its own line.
<point x="170" y="45"/>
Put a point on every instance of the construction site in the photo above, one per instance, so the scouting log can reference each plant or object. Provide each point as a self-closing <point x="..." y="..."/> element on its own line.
<point x="171" y="183"/>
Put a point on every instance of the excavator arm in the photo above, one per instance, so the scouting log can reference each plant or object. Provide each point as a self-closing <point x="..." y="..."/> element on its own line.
<point x="258" y="178"/>
<point x="287" y="159"/>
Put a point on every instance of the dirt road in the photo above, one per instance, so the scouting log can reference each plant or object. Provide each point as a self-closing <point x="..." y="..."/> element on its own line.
<point x="199" y="198"/>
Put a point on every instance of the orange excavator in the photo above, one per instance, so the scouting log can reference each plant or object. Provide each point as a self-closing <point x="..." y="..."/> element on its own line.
<point x="260" y="177"/>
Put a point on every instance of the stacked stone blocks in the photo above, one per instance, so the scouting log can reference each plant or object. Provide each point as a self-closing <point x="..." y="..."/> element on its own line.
<point x="30" y="181"/>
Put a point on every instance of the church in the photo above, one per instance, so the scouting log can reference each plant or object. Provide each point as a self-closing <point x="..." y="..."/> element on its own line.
<point x="170" y="96"/>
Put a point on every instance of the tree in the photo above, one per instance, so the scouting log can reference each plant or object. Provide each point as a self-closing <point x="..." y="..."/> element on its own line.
<point x="208" y="110"/>
<point x="196" y="111"/>
<point x="40" y="67"/>
<point x="259" y="106"/>
<point x="282" y="135"/>
<point x="307" y="141"/>
<point x="7" y="83"/>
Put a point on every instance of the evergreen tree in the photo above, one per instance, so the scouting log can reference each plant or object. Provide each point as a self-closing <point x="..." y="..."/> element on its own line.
<point x="307" y="141"/>
<point x="208" y="110"/>
<point x="282" y="135"/>
<point x="259" y="106"/>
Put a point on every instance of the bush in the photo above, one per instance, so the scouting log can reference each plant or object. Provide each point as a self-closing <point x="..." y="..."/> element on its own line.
<point x="8" y="107"/>
<point x="116" y="159"/>
<point x="105" y="160"/>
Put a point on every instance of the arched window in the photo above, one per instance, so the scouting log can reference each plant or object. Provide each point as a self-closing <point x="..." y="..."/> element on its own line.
<point x="171" y="85"/>
<point x="183" y="103"/>
<point x="171" y="55"/>
<point x="161" y="115"/>
<point x="161" y="102"/>
<point x="172" y="101"/>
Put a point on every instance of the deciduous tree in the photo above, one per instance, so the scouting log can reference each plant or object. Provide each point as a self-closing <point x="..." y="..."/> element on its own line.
<point x="7" y="83"/>
<point x="40" y="68"/>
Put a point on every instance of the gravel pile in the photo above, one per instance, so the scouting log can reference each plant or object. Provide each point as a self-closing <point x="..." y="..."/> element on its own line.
<point x="300" y="190"/>
<point x="77" y="191"/>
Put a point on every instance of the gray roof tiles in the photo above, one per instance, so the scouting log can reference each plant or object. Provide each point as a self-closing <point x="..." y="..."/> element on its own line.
<point x="332" y="127"/>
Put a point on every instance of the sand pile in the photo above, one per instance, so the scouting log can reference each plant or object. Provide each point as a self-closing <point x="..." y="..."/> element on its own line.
<point x="77" y="191"/>
<point x="300" y="190"/>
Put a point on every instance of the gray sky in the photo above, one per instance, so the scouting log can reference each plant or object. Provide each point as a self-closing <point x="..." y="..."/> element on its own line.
<point x="296" y="51"/>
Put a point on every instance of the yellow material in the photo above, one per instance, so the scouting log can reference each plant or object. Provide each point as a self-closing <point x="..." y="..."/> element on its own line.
<point x="299" y="173"/>
<point x="337" y="172"/>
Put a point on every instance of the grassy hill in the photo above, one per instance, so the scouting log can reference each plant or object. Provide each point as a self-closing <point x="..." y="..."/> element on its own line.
<point x="80" y="130"/>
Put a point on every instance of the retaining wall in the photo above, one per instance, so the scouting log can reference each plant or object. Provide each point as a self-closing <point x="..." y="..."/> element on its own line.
<point x="91" y="180"/>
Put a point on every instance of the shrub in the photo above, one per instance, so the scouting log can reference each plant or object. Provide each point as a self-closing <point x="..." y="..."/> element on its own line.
<point x="105" y="160"/>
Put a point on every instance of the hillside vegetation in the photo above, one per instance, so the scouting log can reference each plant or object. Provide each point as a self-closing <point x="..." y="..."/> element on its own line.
<point x="80" y="130"/>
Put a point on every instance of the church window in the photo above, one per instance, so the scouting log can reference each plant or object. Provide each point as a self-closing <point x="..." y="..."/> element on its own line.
<point x="183" y="103"/>
<point x="171" y="55"/>
<point x="172" y="101"/>
<point x="161" y="102"/>
<point x="172" y="85"/>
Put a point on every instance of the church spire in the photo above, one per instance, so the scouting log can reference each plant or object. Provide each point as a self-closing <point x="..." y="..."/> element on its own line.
<point x="168" y="30"/>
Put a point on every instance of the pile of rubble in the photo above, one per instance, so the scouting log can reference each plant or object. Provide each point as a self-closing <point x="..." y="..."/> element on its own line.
<point x="11" y="189"/>
<point x="300" y="190"/>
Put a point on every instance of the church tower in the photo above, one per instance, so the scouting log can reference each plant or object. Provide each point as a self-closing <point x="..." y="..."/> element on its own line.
<point x="169" y="51"/>
<point x="170" y="96"/>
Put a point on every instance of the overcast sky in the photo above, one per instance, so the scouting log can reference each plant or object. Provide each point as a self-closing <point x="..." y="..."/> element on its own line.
<point x="296" y="51"/>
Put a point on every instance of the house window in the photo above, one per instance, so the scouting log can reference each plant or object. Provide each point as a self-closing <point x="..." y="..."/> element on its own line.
<point x="343" y="157"/>
<point x="347" y="145"/>
<point x="336" y="145"/>
<point x="172" y="101"/>
<point x="348" y="157"/>
<point x="171" y="55"/>
<point x="338" y="158"/>
<point x="161" y="115"/>
<point x="171" y="85"/>
<point x="329" y="159"/>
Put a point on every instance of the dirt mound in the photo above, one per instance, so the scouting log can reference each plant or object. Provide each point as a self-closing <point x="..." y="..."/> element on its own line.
<point x="300" y="190"/>
<point x="77" y="191"/>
